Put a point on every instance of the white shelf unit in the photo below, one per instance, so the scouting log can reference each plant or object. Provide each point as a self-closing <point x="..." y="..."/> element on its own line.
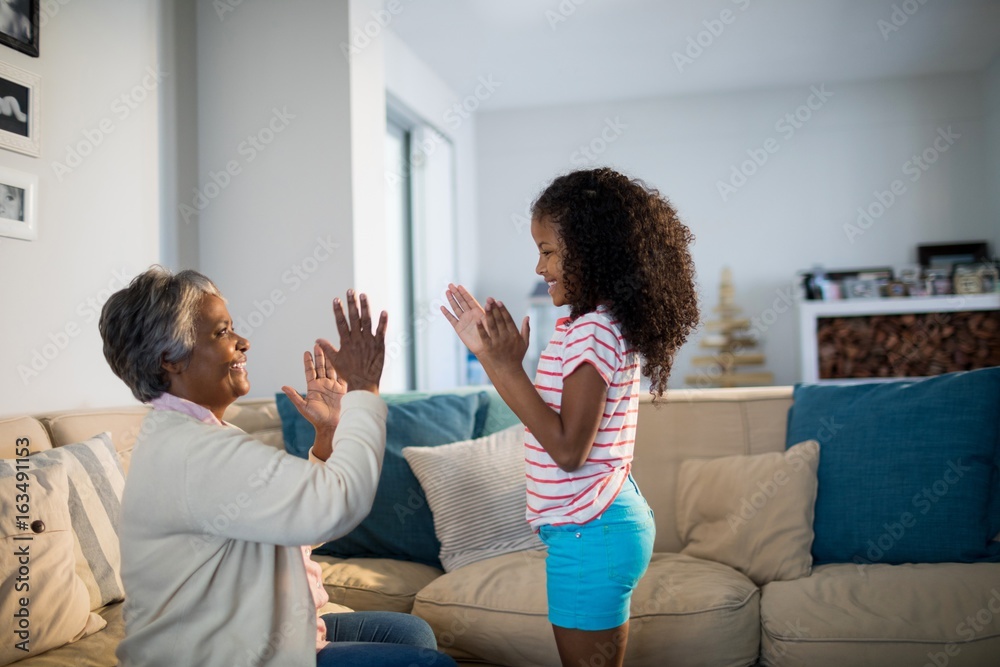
<point x="811" y="311"/>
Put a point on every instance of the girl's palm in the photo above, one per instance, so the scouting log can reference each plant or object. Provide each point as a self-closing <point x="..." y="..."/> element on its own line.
<point x="467" y="316"/>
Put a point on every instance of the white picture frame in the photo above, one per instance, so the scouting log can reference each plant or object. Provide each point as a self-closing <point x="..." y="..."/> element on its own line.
<point x="18" y="204"/>
<point x="19" y="110"/>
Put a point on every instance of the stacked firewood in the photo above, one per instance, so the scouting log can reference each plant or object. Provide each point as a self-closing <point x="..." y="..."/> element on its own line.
<point x="912" y="345"/>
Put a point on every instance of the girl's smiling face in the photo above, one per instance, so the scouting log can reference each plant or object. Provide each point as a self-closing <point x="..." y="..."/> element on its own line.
<point x="550" y="262"/>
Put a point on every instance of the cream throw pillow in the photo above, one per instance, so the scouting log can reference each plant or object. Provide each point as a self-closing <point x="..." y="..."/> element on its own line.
<point x="476" y="492"/>
<point x="42" y="600"/>
<point x="753" y="513"/>
<point x="96" y="482"/>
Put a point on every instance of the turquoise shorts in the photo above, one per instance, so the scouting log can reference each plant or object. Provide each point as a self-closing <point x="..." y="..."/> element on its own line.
<point x="592" y="568"/>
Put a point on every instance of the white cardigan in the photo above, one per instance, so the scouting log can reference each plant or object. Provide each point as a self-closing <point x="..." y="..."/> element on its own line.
<point x="212" y="521"/>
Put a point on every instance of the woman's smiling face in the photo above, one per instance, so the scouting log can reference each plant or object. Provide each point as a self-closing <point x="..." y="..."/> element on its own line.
<point x="215" y="375"/>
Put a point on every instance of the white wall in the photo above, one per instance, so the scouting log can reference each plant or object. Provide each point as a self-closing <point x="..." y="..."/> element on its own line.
<point x="991" y="89"/>
<point x="285" y="223"/>
<point x="98" y="223"/>
<point x="789" y="215"/>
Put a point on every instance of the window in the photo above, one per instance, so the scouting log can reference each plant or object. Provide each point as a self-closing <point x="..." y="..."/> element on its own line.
<point x="399" y="367"/>
<point x="423" y="353"/>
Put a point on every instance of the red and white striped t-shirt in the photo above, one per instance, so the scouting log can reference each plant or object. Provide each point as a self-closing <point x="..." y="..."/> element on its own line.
<point x="557" y="497"/>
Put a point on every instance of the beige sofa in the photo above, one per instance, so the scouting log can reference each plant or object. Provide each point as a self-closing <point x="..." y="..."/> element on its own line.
<point x="685" y="611"/>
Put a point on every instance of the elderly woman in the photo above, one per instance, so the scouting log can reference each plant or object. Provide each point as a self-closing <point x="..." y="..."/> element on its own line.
<point x="214" y="522"/>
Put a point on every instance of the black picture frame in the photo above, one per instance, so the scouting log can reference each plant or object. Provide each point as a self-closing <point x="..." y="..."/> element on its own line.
<point x="21" y="34"/>
<point x="950" y="254"/>
<point x="19" y="116"/>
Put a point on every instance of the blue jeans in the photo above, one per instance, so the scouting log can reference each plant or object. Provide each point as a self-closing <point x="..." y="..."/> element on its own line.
<point x="380" y="639"/>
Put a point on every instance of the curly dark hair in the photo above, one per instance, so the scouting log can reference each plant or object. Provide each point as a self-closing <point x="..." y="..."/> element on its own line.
<point x="624" y="246"/>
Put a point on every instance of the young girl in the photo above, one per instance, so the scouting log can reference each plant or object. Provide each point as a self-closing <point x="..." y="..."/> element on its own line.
<point x="617" y="254"/>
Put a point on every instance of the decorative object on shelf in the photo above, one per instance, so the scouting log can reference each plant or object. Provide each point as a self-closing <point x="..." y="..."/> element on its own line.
<point x="947" y="255"/>
<point x="19" y="110"/>
<point x="990" y="275"/>
<point x="938" y="281"/>
<point x="833" y="285"/>
<point x="734" y="346"/>
<point x="896" y="289"/>
<point x="861" y="288"/>
<point x="19" y="25"/>
<point x="18" y="194"/>
<point x="967" y="279"/>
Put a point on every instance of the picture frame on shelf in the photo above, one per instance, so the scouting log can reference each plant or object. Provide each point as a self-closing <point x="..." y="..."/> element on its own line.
<point x="947" y="255"/>
<point x="908" y="273"/>
<point x="938" y="281"/>
<point x="18" y="204"/>
<point x="835" y="282"/>
<point x="861" y="288"/>
<point x="20" y="26"/>
<point x="19" y="110"/>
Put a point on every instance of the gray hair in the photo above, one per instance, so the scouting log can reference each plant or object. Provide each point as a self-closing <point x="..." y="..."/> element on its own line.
<point x="150" y="322"/>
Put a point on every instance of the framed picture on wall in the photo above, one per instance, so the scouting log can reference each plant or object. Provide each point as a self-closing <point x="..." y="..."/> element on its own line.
<point x="19" y="110"/>
<point x="18" y="210"/>
<point x="19" y="25"/>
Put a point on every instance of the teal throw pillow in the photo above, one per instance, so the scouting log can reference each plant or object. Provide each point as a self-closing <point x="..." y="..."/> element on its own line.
<point x="909" y="471"/>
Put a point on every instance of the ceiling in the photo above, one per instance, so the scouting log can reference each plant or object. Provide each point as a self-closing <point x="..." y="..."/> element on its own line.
<point x="550" y="52"/>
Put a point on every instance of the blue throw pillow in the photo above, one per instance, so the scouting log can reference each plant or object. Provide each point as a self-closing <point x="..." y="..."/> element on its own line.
<point x="907" y="471"/>
<point x="400" y="524"/>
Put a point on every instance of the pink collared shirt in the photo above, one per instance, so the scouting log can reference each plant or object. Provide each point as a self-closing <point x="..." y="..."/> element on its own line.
<point x="314" y="573"/>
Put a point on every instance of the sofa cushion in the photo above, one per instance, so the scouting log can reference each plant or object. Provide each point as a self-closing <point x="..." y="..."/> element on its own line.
<point x="908" y="468"/>
<point x="14" y="429"/>
<point x="476" y="492"/>
<point x="123" y="424"/>
<point x="374" y="584"/>
<point x="700" y="423"/>
<point x="685" y="612"/>
<point x="41" y="594"/>
<point x="753" y="513"/>
<point x="96" y="650"/>
<point x="96" y="482"/>
<point x="883" y="615"/>
<point x="400" y="524"/>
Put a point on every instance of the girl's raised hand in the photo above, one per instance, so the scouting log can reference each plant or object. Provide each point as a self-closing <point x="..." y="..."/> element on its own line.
<point x="503" y="343"/>
<point x="466" y="316"/>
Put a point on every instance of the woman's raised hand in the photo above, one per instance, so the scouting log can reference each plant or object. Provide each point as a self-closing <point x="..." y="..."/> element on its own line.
<point x="361" y="355"/>
<point x="321" y="406"/>
<point x="467" y="315"/>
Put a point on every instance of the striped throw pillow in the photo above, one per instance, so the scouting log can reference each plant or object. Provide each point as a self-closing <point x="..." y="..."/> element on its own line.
<point x="43" y="603"/>
<point x="96" y="482"/>
<point x="476" y="492"/>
